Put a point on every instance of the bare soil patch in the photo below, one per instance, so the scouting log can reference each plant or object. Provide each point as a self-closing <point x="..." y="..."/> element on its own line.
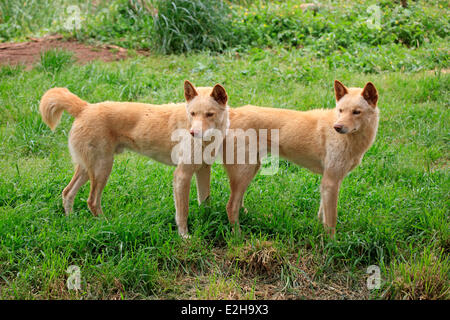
<point x="254" y="271"/>
<point x="28" y="53"/>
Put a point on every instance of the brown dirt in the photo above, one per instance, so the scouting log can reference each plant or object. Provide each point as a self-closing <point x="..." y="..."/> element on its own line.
<point x="28" y="53"/>
<point x="255" y="278"/>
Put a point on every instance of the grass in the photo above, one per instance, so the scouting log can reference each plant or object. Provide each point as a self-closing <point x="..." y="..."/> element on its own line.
<point x="185" y="25"/>
<point x="393" y="209"/>
<point x="394" y="199"/>
<point x="425" y="277"/>
<point x="54" y="60"/>
<point x="339" y="31"/>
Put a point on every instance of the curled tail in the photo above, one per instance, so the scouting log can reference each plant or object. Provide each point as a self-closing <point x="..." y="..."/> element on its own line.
<point x="55" y="101"/>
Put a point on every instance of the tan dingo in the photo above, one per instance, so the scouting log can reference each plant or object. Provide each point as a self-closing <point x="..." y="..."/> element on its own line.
<point x="102" y="129"/>
<point x="329" y="142"/>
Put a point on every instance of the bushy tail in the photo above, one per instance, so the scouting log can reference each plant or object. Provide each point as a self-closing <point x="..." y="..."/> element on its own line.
<point x="55" y="101"/>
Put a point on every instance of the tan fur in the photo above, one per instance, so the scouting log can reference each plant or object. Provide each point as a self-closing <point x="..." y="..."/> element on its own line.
<point x="52" y="105"/>
<point x="310" y="139"/>
<point x="102" y="129"/>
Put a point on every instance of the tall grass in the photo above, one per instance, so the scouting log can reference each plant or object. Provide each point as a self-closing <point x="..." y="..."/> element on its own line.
<point x="22" y="18"/>
<point x="339" y="30"/>
<point x="54" y="60"/>
<point x="187" y="25"/>
<point x="422" y="277"/>
<point x="125" y="23"/>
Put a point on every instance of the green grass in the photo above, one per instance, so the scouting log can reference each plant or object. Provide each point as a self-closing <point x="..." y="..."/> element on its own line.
<point x="54" y="60"/>
<point x="393" y="209"/>
<point x="338" y="32"/>
<point x="396" y="198"/>
<point x="424" y="277"/>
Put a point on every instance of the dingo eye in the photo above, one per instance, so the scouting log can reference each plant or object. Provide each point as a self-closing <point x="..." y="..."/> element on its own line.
<point x="209" y="114"/>
<point x="356" y="112"/>
<point x="192" y="113"/>
<point x="340" y="110"/>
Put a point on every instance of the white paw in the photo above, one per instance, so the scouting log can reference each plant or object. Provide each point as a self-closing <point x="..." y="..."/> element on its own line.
<point x="184" y="235"/>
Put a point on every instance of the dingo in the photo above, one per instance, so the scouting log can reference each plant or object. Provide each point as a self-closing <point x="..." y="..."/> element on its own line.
<point x="102" y="129"/>
<point x="329" y="142"/>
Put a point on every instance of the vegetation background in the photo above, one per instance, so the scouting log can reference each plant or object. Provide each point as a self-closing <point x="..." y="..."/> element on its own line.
<point x="393" y="209"/>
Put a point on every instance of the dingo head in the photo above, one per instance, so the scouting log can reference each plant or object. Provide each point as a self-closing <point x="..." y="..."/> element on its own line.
<point x="355" y="107"/>
<point x="206" y="109"/>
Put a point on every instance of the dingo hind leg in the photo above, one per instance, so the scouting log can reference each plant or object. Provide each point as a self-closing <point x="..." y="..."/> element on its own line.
<point x="68" y="195"/>
<point x="94" y="156"/>
<point x="98" y="173"/>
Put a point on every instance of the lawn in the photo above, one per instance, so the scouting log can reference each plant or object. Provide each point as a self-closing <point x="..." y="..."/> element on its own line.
<point x="393" y="209"/>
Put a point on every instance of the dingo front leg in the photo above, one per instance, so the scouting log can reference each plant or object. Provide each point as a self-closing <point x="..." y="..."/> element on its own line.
<point x="329" y="189"/>
<point x="181" y="186"/>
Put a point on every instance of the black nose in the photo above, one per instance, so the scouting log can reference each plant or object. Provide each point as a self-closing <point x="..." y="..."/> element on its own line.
<point x="338" y="127"/>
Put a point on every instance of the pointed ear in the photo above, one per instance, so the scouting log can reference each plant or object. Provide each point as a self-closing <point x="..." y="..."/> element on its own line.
<point x="340" y="90"/>
<point x="189" y="91"/>
<point x="220" y="95"/>
<point x="370" y="94"/>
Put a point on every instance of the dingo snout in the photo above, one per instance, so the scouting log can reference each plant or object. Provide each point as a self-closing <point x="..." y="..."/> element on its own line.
<point x="340" y="128"/>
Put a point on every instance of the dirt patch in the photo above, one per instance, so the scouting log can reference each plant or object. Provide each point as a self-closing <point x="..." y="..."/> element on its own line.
<point x="435" y="71"/>
<point x="28" y="53"/>
<point x="259" y="270"/>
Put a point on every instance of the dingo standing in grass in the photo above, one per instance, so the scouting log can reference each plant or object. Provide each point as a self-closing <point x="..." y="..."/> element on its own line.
<point x="102" y="129"/>
<point x="329" y="142"/>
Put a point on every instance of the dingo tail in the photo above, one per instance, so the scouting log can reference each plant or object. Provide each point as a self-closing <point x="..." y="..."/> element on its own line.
<point x="55" y="101"/>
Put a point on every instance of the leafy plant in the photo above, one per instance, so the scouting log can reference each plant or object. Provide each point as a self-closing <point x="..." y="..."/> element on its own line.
<point x="186" y="25"/>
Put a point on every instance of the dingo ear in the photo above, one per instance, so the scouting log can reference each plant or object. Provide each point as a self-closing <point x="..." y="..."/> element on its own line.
<point x="340" y="90"/>
<point x="219" y="94"/>
<point x="370" y="94"/>
<point x="189" y="91"/>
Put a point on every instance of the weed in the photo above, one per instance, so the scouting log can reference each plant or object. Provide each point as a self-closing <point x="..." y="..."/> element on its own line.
<point x="423" y="277"/>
